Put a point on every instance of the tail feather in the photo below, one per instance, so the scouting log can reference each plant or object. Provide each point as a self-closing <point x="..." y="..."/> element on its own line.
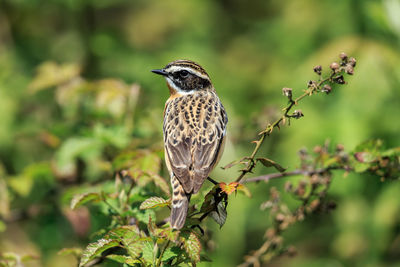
<point x="180" y="204"/>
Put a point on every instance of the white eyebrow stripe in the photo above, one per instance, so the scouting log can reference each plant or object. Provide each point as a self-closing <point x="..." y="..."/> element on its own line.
<point x="179" y="68"/>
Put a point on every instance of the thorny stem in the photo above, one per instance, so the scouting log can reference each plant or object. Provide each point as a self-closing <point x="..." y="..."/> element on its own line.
<point x="251" y="163"/>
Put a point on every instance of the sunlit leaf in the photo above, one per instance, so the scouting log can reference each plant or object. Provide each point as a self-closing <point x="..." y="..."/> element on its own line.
<point x="95" y="249"/>
<point x="154" y="202"/>
<point x="70" y="251"/>
<point x="270" y="163"/>
<point x="79" y="200"/>
<point x="192" y="246"/>
<point x="148" y="251"/>
<point x="228" y="188"/>
<point x="123" y="259"/>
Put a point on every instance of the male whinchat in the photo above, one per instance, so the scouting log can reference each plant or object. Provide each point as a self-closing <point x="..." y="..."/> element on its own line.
<point x="194" y="132"/>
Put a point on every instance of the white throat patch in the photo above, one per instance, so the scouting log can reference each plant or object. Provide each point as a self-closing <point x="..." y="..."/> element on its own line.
<point x="179" y="90"/>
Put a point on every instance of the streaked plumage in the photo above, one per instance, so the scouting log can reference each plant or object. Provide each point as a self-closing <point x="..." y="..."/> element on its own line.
<point x="194" y="132"/>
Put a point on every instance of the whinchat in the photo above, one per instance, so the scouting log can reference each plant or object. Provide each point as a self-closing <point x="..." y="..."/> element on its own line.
<point x="194" y="132"/>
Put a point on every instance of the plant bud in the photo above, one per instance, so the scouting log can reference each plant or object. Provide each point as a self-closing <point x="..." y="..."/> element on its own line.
<point x="287" y="92"/>
<point x="334" y="66"/>
<point x="312" y="84"/>
<point x="280" y="217"/>
<point x="349" y="69"/>
<point x="326" y="89"/>
<point x="352" y="62"/>
<point x="343" y="56"/>
<point x="339" y="147"/>
<point x="339" y="80"/>
<point x="298" y="113"/>
<point x="318" y="69"/>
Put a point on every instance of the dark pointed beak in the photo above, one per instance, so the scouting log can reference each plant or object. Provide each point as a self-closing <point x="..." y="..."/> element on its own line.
<point x="160" y="72"/>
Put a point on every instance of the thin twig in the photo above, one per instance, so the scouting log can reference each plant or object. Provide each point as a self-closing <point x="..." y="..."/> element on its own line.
<point x="268" y="177"/>
<point x="251" y="162"/>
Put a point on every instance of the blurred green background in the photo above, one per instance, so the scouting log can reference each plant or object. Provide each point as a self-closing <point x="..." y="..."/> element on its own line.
<point x="251" y="49"/>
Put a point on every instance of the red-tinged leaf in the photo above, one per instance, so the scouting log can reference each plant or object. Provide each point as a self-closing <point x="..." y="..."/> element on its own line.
<point x="228" y="188"/>
<point x="234" y="187"/>
<point x="192" y="246"/>
<point x="95" y="249"/>
<point x="169" y="234"/>
<point x="154" y="202"/>
<point x="79" y="200"/>
<point x="364" y="157"/>
<point x="270" y="163"/>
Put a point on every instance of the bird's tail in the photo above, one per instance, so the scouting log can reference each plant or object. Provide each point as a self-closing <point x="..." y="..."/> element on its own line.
<point x="180" y="204"/>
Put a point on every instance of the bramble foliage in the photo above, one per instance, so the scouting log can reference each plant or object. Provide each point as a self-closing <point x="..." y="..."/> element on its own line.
<point x="123" y="181"/>
<point x="137" y="236"/>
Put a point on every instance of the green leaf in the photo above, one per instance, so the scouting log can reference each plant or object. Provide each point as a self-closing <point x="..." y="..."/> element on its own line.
<point x="70" y="251"/>
<point x="154" y="202"/>
<point x="170" y="253"/>
<point x="192" y="246"/>
<point x="123" y="259"/>
<point x="94" y="250"/>
<point x="79" y="200"/>
<point x="148" y="251"/>
<point x="270" y="163"/>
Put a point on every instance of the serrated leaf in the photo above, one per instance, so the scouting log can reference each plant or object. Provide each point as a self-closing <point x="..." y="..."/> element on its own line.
<point x="95" y="249"/>
<point x="148" y="251"/>
<point x="192" y="246"/>
<point x="169" y="234"/>
<point x="70" y="251"/>
<point x="127" y="232"/>
<point x="170" y="253"/>
<point x="154" y="202"/>
<point x="79" y="200"/>
<point x="123" y="259"/>
<point x="228" y="188"/>
<point x="270" y="163"/>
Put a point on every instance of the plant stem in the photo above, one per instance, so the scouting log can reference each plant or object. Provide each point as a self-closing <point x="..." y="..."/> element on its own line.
<point x="251" y="162"/>
<point x="159" y="260"/>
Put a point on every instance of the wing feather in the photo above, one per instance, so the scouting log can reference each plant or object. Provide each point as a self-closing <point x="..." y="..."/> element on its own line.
<point x="194" y="131"/>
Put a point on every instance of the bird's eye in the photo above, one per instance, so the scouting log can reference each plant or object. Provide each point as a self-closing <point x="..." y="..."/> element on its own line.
<point x="183" y="73"/>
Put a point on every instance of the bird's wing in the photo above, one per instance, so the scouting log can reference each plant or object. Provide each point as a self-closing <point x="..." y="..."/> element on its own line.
<point x="194" y="130"/>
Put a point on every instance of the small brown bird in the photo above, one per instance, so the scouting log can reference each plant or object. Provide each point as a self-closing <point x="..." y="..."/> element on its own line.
<point x="194" y="132"/>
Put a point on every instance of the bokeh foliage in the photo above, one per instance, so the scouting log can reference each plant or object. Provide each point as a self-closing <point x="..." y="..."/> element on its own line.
<point x="76" y="91"/>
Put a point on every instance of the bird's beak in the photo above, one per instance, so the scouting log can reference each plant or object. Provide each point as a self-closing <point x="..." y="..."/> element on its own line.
<point x="160" y="72"/>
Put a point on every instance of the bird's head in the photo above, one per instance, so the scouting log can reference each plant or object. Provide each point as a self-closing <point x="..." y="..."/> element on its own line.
<point x="185" y="77"/>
